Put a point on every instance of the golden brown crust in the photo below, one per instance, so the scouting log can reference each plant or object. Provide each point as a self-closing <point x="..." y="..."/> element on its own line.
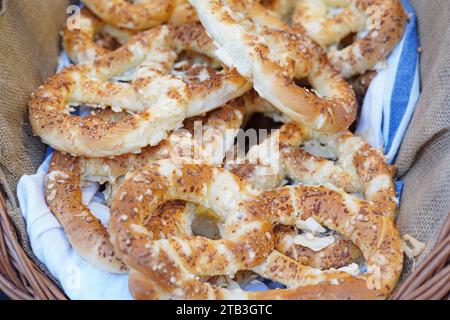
<point x="141" y="287"/>
<point x="144" y="15"/>
<point x="273" y="56"/>
<point x="347" y="289"/>
<point x="157" y="101"/>
<point x="183" y="13"/>
<point x="355" y="166"/>
<point x="383" y="21"/>
<point x="137" y="16"/>
<point x="359" y="168"/>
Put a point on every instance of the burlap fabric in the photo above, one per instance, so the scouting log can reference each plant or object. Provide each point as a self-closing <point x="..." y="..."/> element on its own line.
<point x="424" y="159"/>
<point x="29" y="45"/>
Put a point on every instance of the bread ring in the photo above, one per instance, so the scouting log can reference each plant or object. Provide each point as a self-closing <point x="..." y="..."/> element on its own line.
<point x="157" y="101"/>
<point x="355" y="167"/>
<point x="80" y="43"/>
<point x="66" y="174"/>
<point x="173" y="264"/>
<point x="85" y="233"/>
<point x="382" y="21"/>
<point x="137" y="14"/>
<point x="218" y="190"/>
<point x="272" y="55"/>
<point x="283" y="8"/>
<point x="366" y="225"/>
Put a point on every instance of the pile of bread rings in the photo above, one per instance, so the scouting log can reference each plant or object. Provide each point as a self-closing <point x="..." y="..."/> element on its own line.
<point x="315" y="215"/>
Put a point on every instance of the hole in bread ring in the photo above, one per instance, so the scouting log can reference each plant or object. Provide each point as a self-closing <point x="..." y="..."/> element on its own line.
<point x="342" y="252"/>
<point x="379" y="24"/>
<point x="136" y="14"/>
<point x="272" y="55"/>
<point x="156" y="100"/>
<point x="174" y="264"/>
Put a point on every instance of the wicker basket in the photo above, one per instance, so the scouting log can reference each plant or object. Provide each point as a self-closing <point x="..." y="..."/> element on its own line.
<point x="21" y="278"/>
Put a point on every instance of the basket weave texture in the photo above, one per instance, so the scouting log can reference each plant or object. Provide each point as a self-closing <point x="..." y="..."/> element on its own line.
<point x="29" y="45"/>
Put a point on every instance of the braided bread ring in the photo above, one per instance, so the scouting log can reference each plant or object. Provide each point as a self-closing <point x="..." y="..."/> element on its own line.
<point x="357" y="168"/>
<point x="365" y="224"/>
<point x="161" y="101"/>
<point x="85" y="232"/>
<point x="272" y="55"/>
<point x="138" y="15"/>
<point x="383" y="20"/>
<point x="80" y="43"/>
<point x="173" y="263"/>
<point x="220" y="191"/>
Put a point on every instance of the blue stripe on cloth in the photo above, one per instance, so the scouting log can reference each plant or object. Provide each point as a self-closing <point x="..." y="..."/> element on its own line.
<point x="49" y="152"/>
<point x="404" y="79"/>
<point x="399" y="188"/>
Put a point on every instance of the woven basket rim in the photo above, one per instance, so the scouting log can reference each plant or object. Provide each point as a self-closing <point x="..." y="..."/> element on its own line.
<point x="22" y="279"/>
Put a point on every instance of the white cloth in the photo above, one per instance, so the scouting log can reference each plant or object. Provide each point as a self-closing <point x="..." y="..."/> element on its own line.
<point x="393" y="94"/>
